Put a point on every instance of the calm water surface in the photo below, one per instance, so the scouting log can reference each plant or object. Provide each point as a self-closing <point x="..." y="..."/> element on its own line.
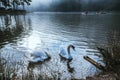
<point x="21" y="34"/>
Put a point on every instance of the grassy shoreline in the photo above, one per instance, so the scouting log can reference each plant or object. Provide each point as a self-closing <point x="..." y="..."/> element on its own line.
<point x="111" y="58"/>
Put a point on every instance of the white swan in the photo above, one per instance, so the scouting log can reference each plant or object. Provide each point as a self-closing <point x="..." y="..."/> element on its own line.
<point x="39" y="56"/>
<point x="66" y="55"/>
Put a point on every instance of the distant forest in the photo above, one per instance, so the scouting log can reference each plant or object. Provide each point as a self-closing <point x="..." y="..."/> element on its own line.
<point x="63" y="5"/>
<point x="13" y="4"/>
<point x="82" y="5"/>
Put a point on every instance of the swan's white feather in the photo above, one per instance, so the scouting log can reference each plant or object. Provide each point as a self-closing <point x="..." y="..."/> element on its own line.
<point x="64" y="53"/>
<point x="38" y="56"/>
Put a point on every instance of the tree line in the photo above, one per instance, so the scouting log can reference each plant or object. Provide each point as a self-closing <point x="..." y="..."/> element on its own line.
<point x="81" y="5"/>
<point x="13" y="4"/>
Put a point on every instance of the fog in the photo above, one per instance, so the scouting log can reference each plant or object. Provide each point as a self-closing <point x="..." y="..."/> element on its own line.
<point x="74" y="5"/>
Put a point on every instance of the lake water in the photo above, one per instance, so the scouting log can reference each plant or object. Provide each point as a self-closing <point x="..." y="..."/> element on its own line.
<point x="21" y="34"/>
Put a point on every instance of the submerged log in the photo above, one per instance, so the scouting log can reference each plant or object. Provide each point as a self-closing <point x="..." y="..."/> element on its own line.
<point x="97" y="65"/>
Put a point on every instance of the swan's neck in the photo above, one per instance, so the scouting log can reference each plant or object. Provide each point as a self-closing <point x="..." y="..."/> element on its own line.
<point x="68" y="50"/>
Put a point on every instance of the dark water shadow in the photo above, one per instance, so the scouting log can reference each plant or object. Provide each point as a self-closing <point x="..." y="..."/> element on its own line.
<point x="13" y="27"/>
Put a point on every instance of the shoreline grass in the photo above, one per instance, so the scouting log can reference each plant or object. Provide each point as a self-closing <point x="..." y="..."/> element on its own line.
<point x="111" y="58"/>
<point x="111" y="53"/>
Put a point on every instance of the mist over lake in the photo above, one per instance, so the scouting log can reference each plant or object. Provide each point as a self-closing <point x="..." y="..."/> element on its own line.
<point x="74" y="5"/>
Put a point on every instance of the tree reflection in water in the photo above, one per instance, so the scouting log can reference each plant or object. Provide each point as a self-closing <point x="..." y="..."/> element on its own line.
<point x="12" y="28"/>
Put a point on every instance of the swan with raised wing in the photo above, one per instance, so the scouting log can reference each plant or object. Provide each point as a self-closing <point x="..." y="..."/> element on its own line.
<point x="66" y="55"/>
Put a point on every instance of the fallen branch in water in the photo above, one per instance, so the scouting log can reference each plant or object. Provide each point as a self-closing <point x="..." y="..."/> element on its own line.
<point x="98" y="65"/>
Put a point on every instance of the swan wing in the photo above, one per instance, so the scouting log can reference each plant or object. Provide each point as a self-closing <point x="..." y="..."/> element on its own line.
<point x="63" y="53"/>
<point x="38" y="54"/>
<point x="35" y="60"/>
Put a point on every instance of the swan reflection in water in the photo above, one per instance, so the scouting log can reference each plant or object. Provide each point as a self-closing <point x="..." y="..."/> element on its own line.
<point x="65" y="55"/>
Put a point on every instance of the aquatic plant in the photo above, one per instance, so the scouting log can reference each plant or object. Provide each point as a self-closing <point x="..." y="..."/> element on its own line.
<point x="111" y="53"/>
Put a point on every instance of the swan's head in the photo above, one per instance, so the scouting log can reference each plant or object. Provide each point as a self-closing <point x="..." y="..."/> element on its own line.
<point x="49" y="57"/>
<point x="71" y="46"/>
